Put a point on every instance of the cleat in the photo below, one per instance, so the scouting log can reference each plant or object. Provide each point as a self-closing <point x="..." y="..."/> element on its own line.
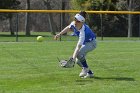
<point x="89" y="76"/>
<point x="83" y="72"/>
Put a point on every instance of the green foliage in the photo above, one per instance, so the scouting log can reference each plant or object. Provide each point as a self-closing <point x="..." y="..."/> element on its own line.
<point x="94" y="21"/>
<point x="80" y="4"/>
<point x="94" y="4"/>
<point x="112" y="24"/>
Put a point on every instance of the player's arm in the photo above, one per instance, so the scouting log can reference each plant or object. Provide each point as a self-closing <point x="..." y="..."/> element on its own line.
<point x="79" y="44"/>
<point x="76" y="51"/>
<point x="65" y="30"/>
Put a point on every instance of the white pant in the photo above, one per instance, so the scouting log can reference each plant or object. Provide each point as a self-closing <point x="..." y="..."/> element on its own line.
<point x="89" y="46"/>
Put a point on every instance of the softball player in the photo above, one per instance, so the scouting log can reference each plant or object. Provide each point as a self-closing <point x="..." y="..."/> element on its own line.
<point x="85" y="44"/>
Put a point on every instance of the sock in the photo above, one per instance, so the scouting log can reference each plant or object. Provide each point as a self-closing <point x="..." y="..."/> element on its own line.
<point x="90" y="72"/>
<point x="84" y="63"/>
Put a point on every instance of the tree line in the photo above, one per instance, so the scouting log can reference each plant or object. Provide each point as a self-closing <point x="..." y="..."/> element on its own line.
<point x="102" y="24"/>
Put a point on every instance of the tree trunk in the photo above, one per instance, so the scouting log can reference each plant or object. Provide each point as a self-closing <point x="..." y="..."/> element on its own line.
<point x="11" y="26"/>
<point x="139" y="26"/>
<point x="12" y="23"/>
<point x="101" y="17"/>
<point x="63" y="22"/>
<point x="52" y="24"/>
<point x="129" y="25"/>
<point x="130" y="20"/>
<point x="27" y="19"/>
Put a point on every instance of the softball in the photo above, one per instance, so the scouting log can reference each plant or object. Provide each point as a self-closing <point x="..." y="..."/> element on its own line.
<point x="40" y="38"/>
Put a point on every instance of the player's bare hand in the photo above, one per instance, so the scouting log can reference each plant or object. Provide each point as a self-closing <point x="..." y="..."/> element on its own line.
<point x="56" y="36"/>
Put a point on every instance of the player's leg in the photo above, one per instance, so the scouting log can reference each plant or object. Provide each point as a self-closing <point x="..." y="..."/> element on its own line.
<point x="82" y="60"/>
<point x="79" y="63"/>
<point x="84" y="71"/>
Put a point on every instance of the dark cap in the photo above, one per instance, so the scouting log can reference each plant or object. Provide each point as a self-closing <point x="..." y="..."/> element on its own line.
<point x="83" y="13"/>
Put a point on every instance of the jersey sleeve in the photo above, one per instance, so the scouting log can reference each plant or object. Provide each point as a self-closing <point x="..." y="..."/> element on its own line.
<point x="71" y="24"/>
<point x="81" y="38"/>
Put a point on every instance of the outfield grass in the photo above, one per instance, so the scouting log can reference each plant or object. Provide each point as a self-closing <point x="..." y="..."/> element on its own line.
<point x="32" y="67"/>
<point x="6" y="37"/>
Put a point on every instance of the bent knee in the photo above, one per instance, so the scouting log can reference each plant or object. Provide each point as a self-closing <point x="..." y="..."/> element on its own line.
<point x="81" y="57"/>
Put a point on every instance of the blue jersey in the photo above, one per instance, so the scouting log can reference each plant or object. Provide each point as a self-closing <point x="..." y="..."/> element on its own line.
<point x="85" y="34"/>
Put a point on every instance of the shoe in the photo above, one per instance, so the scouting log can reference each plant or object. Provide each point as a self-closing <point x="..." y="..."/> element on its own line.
<point x="83" y="72"/>
<point x="89" y="75"/>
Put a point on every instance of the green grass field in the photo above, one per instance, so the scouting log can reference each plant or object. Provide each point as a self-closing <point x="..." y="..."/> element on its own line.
<point x="32" y="67"/>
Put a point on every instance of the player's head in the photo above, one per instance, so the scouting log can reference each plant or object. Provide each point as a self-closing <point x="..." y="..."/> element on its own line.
<point x="80" y="16"/>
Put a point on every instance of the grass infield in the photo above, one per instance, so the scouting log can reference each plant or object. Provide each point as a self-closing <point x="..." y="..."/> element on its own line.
<point x="32" y="67"/>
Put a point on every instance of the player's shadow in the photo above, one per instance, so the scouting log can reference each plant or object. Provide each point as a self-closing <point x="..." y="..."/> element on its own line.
<point x="106" y="78"/>
<point x="115" y="78"/>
